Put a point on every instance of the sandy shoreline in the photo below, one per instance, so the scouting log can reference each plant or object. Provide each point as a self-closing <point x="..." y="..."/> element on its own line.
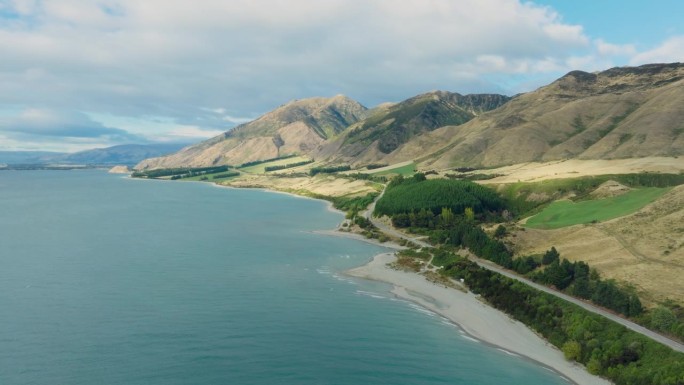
<point x="478" y="320"/>
<point x="481" y="322"/>
<point x="359" y="237"/>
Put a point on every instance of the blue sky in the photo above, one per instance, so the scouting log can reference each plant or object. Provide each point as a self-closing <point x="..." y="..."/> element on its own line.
<point x="78" y="74"/>
<point x="642" y="23"/>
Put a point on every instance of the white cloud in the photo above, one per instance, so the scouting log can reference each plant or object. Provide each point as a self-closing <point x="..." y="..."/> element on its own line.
<point x="606" y="49"/>
<point x="223" y="115"/>
<point x="169" y="58"/>
<point x="672" y="50"/>
<point x="57" y="123"/>
<point x="190" y="132"/>
<point x="236" y="120"/>
<point x="38" y="143"/>
<point x="22" y="7"/>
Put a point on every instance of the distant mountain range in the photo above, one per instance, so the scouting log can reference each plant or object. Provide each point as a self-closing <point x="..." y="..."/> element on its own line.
<point x="618" y="113"/>
<point x="127" y="154"/>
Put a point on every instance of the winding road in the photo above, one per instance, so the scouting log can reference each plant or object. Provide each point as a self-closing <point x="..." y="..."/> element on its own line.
<point x="498" y="269"/>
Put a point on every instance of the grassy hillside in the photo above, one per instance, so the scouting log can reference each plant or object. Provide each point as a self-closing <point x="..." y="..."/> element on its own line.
<point x="300" y="126"/>
<point x="627" y="112"/>
<point x="389" y="127"/>
<point x="619" y="113"/>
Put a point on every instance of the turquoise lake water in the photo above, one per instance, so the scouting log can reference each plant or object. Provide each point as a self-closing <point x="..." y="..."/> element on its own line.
<point x="109" y="280"/>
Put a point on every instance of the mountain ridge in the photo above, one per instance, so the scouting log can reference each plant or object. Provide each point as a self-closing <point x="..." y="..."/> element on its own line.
<point x="602" y="115"/>
<point x="299" y="126"/>
<point x="389" y="128"/>
<point x="606" y="115"/>
<point x="128" y="154"/>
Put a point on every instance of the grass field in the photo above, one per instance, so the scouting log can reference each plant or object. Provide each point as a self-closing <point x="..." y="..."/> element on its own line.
<point x="566" y="213"/>
<point x="402" y="169"/>
<point x="260" y="168"/>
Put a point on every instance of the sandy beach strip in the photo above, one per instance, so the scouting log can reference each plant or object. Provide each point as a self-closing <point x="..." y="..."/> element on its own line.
<point x="478" y="320"/>
<point x="359" y="237"/>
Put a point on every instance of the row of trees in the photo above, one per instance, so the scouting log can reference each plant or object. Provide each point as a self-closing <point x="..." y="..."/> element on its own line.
<point x="605" y="347"/>
<point x="183" y="172"/>
<point x="225" y="175"/>
<point x="255" y="162"/>
<point x="574" y="278"/>
<point x="578" y="279"/>
<point x="328" y="170"/>
<point x="467" y="234"/>
<point x="286" y="166"/>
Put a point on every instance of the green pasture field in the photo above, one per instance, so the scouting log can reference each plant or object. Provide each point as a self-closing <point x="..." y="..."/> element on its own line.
<point x="406" y="170"/>
<point x="567" y="213"/>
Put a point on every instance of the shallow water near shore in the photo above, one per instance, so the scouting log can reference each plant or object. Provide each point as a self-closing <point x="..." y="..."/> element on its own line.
<point x="109" y="280"/>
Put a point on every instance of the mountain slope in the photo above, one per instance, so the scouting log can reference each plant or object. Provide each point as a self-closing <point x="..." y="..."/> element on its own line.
<point x="123" y="154"/>
<point x="27" y="157"/>
<point x="627" y="112"/>
<point x="390" y="126"/>
<point x="300" y="126"/>
<point x="127" y="154"/>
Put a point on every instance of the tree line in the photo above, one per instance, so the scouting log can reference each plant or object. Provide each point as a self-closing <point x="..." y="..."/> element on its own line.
<point x="182" y="172"/>
<point x="445" y="210"/>
<point x="256" y="162"/>
<point x="286" y="166"/>
<point x="603" y="346"/>
<point x="225" y="175"/>
<point x="328" y="169"/>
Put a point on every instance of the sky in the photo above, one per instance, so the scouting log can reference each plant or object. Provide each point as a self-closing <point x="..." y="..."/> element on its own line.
<point x="81" y="74"/>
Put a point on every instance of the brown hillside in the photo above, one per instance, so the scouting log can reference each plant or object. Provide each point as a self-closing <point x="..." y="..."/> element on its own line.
<point x="626" y="112"/>
<point x="300" y="126"/>
<point x="389" y="127"/>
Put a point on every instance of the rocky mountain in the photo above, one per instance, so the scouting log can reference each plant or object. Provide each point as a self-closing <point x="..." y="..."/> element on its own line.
<point x="300" y="126"/>
<point x="389" y="127"/>
<point x="626" y="112"/>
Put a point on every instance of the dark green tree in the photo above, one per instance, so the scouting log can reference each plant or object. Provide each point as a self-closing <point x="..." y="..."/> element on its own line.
<point x="550" y="256"/>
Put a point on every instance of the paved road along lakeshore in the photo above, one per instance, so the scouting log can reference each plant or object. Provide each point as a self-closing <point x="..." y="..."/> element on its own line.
<point x="496" y="268"/>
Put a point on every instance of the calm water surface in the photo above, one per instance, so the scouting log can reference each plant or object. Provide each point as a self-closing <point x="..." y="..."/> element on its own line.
<point x="109" y="280"/>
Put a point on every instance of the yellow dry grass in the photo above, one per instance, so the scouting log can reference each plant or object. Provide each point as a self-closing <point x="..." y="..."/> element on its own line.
<point x="321" y="184"/>
<point x="574" y="168"/>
